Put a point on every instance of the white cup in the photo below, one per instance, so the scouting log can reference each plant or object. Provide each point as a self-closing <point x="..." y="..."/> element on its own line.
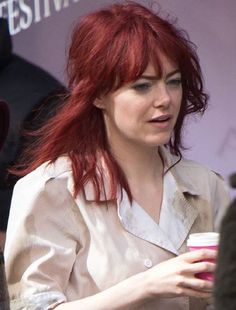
<point x="203" y="239"/>
<point x="207" y="240"/>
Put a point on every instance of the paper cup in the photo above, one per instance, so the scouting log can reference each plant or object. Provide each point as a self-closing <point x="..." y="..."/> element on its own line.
<point x="208" y="240"/>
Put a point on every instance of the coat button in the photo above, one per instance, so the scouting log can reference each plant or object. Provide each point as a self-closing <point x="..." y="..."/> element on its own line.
<point x="147" y="263"/>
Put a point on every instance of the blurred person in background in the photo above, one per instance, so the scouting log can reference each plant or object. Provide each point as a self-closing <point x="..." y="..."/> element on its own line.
<point x="28" y="90"/>
<point x="225" y="282"/>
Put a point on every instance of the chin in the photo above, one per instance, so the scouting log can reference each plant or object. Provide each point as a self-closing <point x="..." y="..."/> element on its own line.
<point x="158" y="141"/>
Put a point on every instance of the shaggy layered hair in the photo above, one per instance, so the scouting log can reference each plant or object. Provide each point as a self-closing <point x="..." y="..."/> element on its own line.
<point x="110" y="48"/>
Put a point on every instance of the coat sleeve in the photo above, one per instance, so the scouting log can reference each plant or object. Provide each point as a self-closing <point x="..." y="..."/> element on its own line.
<point x="42" y="242"/>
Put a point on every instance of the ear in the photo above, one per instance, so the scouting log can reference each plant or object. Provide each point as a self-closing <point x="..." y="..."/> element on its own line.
<point x="99" y="103"/>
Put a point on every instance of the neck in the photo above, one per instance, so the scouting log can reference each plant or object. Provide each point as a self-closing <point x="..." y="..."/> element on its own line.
<point x="139" y="164"/>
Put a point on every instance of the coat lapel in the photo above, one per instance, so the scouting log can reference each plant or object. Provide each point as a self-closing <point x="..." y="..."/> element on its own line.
<point x="177" y="214"/>
<point x="136" y="221"/>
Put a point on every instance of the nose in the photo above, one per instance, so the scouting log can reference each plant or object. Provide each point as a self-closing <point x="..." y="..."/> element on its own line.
<point x="161" y="97"/>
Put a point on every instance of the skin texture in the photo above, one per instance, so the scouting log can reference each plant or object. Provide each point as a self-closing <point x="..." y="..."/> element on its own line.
<point x="128" y="111"/>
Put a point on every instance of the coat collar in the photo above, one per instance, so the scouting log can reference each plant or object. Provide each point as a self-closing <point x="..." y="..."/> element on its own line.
<point x="137" y="222"/>
<point x="175" y="221"/>
<point x="173" y="163"/>
<point x="176" y="218"/>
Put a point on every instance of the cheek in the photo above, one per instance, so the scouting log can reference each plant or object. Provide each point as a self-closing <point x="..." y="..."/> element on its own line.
<point x="177" y="110"/>
<point x="127" y="110"/>
<point x="124" y="116"/>
<point x="178" y="105"/>
<point x="177" y="100"/>
<point x="117" y="114"/>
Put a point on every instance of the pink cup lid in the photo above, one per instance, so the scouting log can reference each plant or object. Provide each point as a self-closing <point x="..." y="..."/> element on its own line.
<point x="203" y="239"/>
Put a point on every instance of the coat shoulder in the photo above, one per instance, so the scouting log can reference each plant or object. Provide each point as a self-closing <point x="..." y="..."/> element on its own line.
<point x="199" y="177"/>
<point x="195" y="169"/>
<point x="46" y="173"/>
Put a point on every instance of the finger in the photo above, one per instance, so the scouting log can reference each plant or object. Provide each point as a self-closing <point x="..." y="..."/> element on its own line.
<point x="198" y="255"/>
<point x="198" y="285"/>
<point x="195" y="293"/>
<point x="200" y="267"/>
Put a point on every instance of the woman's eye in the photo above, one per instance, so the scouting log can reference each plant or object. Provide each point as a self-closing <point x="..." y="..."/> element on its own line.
<point x="174" y="82"/>
<point x="142" y="87"/>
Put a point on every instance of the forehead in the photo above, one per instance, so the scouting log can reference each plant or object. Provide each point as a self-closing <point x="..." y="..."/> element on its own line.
<point x="167" y="66"/>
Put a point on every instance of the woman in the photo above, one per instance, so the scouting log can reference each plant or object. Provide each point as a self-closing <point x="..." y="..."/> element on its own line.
<point x="101" y="219"/>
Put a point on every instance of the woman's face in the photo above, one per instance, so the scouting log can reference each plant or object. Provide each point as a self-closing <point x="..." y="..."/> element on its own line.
<point x="144" y="112"/>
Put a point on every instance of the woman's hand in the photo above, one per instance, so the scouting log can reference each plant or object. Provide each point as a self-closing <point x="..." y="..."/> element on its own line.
<point x="172" y="278"/>
<point x="176" y="277"/>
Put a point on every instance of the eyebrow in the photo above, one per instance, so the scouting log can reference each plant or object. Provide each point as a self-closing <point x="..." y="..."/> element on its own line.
<point x="154" y="77"/>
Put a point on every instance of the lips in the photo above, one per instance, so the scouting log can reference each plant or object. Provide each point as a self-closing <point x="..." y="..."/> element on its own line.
<point x="161" y="119"/>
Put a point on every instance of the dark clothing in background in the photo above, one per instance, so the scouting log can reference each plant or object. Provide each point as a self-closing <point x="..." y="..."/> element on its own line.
<point x="225" y="280"/>
<point x="4" y="124"/>
<point x="24" y="86"/>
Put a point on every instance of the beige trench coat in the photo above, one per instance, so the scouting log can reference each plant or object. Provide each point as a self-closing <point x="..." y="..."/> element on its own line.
<point x="61" y="249"/>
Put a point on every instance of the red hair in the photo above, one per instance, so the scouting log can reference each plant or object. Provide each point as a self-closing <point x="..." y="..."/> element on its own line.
<point x="109" y="48"/>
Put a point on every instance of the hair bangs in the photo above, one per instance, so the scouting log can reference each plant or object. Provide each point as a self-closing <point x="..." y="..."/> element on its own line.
<point x="166" y="47"/>
<point x="126" y="58"/>
<point x="139" y="45"/>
